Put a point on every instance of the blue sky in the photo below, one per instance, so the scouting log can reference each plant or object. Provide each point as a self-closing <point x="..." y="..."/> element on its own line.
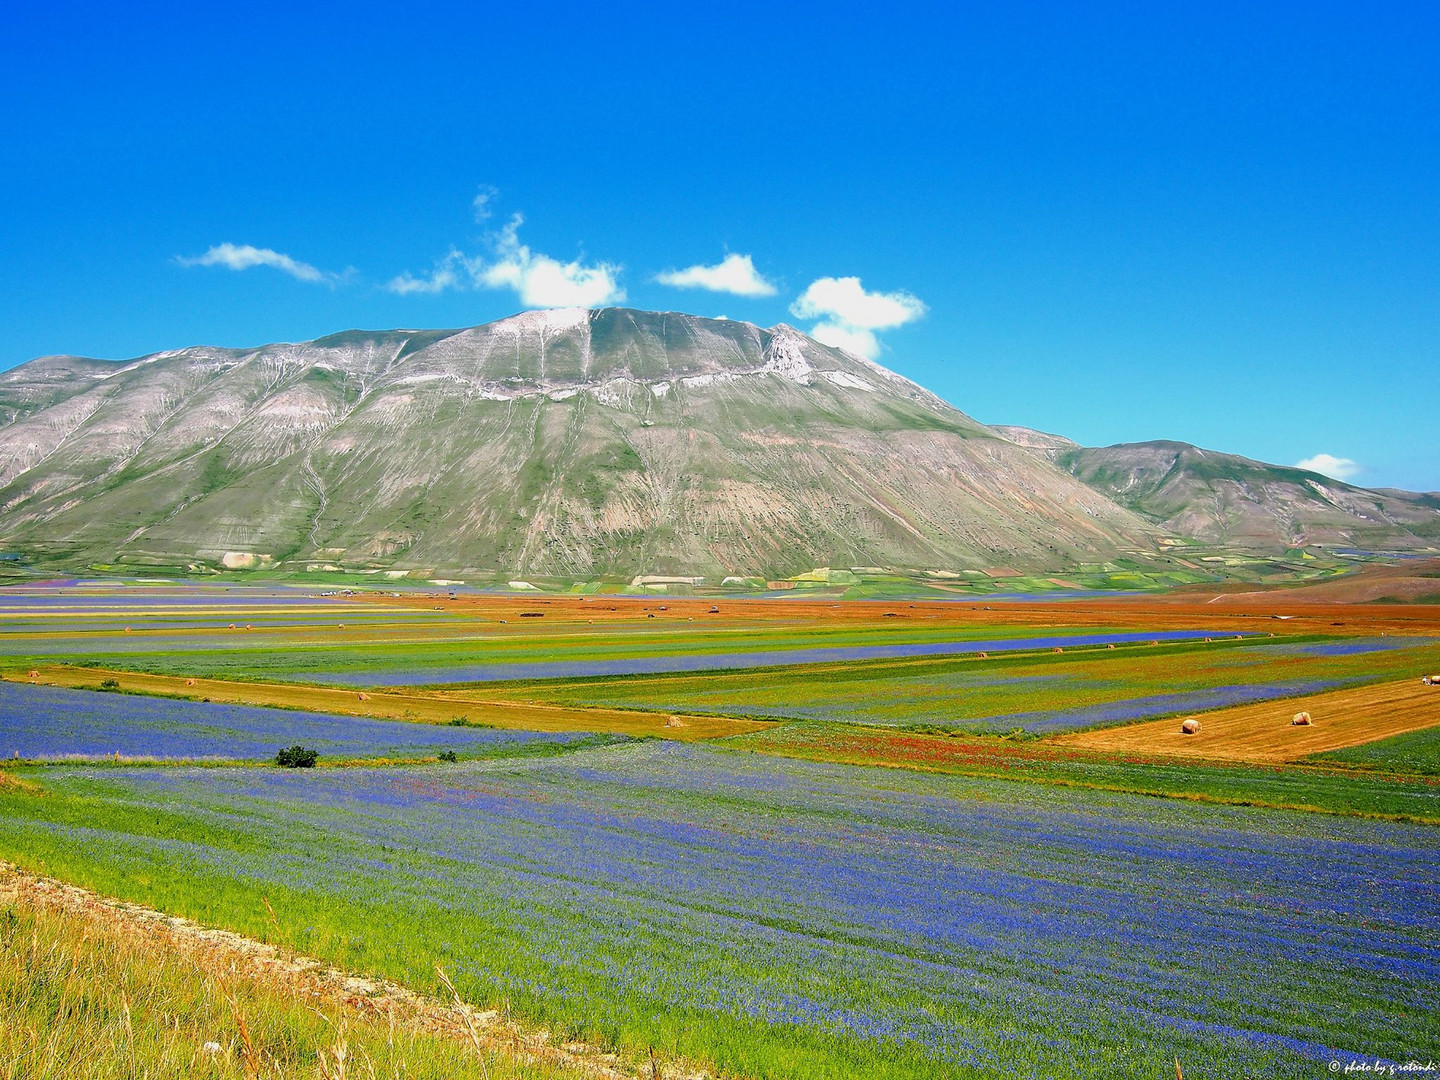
<point x="1214" y="223"/>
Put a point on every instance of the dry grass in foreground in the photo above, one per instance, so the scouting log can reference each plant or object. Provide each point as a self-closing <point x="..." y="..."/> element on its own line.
<point x="1264" y="733"/>
<point x="94" y="988"/>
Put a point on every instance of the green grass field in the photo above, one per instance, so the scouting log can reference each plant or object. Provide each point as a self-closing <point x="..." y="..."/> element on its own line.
<point x="1414" y="752"/>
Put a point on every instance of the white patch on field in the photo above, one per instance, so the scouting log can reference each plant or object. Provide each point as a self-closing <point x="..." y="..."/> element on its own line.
<point x="548" y="319"/>
<point x="710" y="378"/>
<point x="844" y="378"/>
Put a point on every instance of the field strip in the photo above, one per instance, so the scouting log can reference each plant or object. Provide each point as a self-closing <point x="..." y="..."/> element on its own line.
<point x="674" y="663"/>
<point x="429" y="708"/>
<point x="225" y="955"/>
<point x="1264" y="732"/>
<point x="1149" y="792"/>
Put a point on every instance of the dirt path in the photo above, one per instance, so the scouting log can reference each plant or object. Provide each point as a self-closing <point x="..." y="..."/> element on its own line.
<point x="1264" y="733"/>
<point x="227" y="955"/>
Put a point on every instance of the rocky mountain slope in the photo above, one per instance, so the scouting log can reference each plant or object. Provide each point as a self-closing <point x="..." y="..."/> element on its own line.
<point x="572" y="443"/>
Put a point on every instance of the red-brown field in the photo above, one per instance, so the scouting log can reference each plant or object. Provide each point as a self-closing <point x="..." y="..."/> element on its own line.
<point x="1252" y="611"/>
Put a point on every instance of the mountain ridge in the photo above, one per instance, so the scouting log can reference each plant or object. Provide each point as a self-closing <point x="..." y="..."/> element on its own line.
<point x="568" y="442"/>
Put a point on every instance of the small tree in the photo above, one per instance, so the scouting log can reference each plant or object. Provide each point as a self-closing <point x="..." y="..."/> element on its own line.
<point x="297" y="757"/>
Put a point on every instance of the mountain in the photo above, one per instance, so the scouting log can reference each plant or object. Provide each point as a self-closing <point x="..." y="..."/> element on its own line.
<point x="1230" y="501"/>
<point x="570" y="443"/>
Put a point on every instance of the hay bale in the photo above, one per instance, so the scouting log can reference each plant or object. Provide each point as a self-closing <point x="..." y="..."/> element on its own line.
<point x="189" y="682"/>
<point x="363" y="696"/>
<point x="1190" y="726"/>
<point x="34" y="674"/>
<point x="674" y="722"/>
<point x="1301" y="719"/>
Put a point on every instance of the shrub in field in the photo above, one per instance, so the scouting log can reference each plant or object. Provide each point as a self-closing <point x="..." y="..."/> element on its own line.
<point x="297" y="757"/>
<point x="449" y="755"/>
<point x="109" y="684"/>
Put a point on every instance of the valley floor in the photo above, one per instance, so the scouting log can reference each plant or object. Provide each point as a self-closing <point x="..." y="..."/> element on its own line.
<point x="951" y="860"/>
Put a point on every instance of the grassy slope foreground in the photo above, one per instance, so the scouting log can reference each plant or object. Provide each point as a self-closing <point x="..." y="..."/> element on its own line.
<point x="98" y="991"/>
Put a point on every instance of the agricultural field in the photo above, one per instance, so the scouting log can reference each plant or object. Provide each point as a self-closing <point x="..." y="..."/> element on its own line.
<point x="788" y="918"/>
<point x="814" y="842"/>
<point x="1038" y="694"/>
<point x="1341" y="719"/>
<point x="1412" y="751"/>
<point x="1408" y="790"/>
<point x="43" y="723"/>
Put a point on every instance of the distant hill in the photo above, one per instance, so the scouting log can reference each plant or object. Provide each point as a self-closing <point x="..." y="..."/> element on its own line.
<point x="572" y="443"/>
<point x="1231" y="501"/>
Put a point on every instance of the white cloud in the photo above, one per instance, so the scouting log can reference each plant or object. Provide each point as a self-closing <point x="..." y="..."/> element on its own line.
<point x="734" y="274"/>
<point x="852" y="339"/>
<point x="845" y="301"/>
<point x="443" y="277"/>
<point x="481" y="203"/>
<point x="1328" y="465"/>
<point x="244" y="256"/>
<point x="537" y="279"/>
<point x="541" y="281"/>
<point x="850" y="316"/>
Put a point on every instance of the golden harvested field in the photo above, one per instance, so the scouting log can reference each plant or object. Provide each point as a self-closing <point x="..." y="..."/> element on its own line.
<point x="432" y="707"/>
<point x="1264" y="733"/>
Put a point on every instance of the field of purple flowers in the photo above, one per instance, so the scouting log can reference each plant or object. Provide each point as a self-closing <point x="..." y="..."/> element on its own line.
<point x="46" y="723"/>
<point x="803" y="919"/>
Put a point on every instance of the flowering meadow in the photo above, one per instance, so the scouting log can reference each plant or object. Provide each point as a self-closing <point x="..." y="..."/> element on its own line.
<point x="792" y="918"/>
<point x="1039" y="693"/>
<point x="46" y="723"/>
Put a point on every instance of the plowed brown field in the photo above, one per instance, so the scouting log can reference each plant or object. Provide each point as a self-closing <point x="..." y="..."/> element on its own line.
<point x="1273" y="611"/>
